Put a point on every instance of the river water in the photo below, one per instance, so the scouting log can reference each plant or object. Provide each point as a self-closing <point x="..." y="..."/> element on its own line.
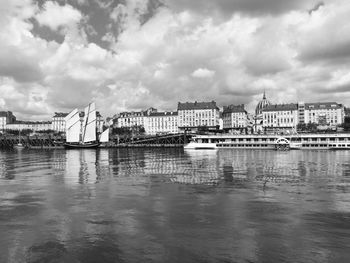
<point x="171" y="205"/>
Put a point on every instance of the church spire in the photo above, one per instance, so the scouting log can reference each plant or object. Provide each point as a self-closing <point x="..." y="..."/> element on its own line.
<point x="264" y="97"/>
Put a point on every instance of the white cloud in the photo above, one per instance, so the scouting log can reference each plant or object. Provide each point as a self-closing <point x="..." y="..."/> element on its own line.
<point x="203" y="73"/>
<point x="55" y="16"/>
<point x="178" y="54"/>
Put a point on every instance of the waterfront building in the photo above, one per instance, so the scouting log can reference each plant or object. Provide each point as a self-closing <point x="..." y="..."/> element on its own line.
<point x="161" y="122"/>
<point x="284" y="116"/>
<point x="6" y="117"/>
<point x="280" y="117"/>
<point x="234" y="117"/>
<point x="30" y="125"/>
<point x="133" y="118"/>
<point x="58" y="122"/>
<point x="258" y="118"/>
<point x="194" y="116"/>
<point x="323" y="113"/>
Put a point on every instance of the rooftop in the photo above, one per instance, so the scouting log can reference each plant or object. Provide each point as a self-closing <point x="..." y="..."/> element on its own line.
<point x="163" y="114"/>
<point x="60" y="114"/>
<point x="234" y="108"/>
<point x="281" y="107"/>
<point x="322" y="105"/>
<point x="262" y="105"/>
<point x="197" y="106"/>
<point x="5" y="113"/>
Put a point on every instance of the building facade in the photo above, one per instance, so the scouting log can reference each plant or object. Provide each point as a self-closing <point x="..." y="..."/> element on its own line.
<point x="133" y="118"/>
<point x="324" y="113"/>
<point x="161" y="122"/>
<point x="280" y="116"/>
<point x="196" y="115"/>
<point x="234" y="117"/>
<point x="58" y="122"/>
<point x="284" y="116"/>
<point x="6" y="117"/>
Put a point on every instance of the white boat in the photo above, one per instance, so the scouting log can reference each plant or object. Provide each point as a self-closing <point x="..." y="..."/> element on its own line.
<point x="295" y="145"/>
<point x="19" y="145"/>
<point x="195" y="144"/>
<point x="81" y="136"/>
<point x="339" y="146"/>
<point x="338" y="141"/>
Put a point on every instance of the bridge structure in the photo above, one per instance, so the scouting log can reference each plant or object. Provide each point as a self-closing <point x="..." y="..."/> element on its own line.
<point x="29" y="141"/>
<point x="167" y="140"/>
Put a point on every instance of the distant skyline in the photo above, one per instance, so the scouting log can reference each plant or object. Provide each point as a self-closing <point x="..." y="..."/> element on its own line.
<point x="135" y="54"/>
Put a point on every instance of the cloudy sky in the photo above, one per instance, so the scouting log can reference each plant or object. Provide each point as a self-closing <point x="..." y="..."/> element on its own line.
<point x="133" y="54"/>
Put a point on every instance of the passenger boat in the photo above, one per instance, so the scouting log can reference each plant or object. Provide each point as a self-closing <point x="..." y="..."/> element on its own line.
<point x="339" y="146"/>
<point x="271" y="141"/>
<point x="295" y="145"/>
<point x="194" y="145"/>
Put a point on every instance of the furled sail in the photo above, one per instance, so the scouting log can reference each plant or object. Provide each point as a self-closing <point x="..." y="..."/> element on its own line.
<point x="89" y="124"/>
<point x="73" y="126"/>
<point x="104" y="136"/>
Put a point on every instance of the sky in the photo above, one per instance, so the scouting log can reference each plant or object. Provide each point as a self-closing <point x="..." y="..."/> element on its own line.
<point x="134" y="54"/>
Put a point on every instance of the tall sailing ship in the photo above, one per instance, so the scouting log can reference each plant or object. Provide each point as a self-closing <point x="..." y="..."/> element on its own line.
<point x="83" y="135"/>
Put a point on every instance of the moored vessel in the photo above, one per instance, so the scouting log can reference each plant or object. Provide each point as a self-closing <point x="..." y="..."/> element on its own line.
<point x="194" y="145"/>
<point x="271" y="141"/>
<point x="81" y="136"/>
<point x="339" y="146"/>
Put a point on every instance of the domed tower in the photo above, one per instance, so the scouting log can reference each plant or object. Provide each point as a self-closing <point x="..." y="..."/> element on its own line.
<point x="261" y="105"/>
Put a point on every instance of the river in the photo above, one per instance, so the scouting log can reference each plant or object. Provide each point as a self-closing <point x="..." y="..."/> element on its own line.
<point x="171" y="205"/>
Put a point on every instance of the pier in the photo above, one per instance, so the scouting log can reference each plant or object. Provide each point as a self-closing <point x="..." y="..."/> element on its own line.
<point x="30" y="141"/>
<point x="168" y="140"/>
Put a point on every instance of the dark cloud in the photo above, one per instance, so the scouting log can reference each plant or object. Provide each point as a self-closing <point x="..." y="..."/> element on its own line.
<point x="267" y="66"/>
<point x="329" y="52"/>
<point x="344" y="88"/>
<point x="253" y="7"/>
<point x="45" y="32"/>
<point x="316" y="7"/>
<point x="244" y="91"/>
<point x="19" y="66"/>
<point x="67" y="93"/>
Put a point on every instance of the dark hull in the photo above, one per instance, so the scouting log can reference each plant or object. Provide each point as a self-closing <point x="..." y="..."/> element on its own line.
<point x="81" y="146"/>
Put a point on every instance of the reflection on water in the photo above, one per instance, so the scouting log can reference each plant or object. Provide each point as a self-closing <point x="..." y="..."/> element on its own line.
<point x="170" y="205"/>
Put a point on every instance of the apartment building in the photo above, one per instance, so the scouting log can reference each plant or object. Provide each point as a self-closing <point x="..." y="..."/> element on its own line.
<point x="281" y="116"/>
<point x="133" y="118"/>
<point x="161" y="122"/>
<point x="58" y="122"/>
<point x="196" y="115"/>
<point x="324" y="113"/>
<point x="234" y="117"/>
<point x="6" y="117"/>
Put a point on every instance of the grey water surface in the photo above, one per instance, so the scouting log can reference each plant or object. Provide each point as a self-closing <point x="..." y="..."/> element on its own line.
<point x="171" y="205"/>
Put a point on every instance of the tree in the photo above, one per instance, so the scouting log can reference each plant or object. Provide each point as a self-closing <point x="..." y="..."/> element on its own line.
<point x="346" y="124"/>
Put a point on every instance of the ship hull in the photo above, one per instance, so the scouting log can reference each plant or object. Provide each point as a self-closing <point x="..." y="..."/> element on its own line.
<point x="81" y="145"/>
